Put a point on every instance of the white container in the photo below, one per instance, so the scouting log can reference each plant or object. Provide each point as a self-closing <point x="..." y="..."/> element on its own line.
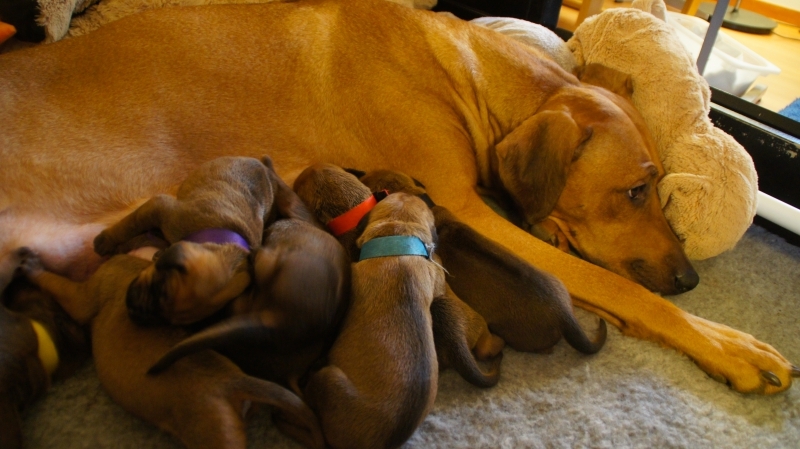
<point x="731" y="66"/>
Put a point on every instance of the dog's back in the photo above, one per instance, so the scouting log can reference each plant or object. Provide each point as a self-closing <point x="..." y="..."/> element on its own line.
<point x="233" y="193"/>
<point x="382" y="378"/>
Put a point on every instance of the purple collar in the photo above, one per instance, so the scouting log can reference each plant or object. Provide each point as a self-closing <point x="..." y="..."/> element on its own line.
<point x="219" y="236"/>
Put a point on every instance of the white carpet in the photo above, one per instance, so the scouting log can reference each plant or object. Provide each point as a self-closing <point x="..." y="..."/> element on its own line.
<point x="633" y="394"/>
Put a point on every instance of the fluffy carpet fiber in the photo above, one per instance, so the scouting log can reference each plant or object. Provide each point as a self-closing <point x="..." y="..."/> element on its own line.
<point x="632" y="394"/>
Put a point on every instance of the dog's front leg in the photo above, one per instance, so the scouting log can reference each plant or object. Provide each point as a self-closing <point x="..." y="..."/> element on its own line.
<point x="147" y="217"/>
<point x="730" y="356"/>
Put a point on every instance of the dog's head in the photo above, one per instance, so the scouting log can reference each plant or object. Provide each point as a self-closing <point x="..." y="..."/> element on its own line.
<point x="188" y="282"/>
<point x="400" y="214"/>
<point x="329" y="190"/>
<point x="586" y="167"/>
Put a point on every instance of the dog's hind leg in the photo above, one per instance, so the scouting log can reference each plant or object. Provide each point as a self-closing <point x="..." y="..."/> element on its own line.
<point x="461" y="336"/>
<point x="291" y="414"/>
<point x="220" y="425"/>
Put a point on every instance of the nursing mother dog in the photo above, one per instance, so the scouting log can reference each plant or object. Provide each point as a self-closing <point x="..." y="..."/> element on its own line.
<point x="92" y="126"/>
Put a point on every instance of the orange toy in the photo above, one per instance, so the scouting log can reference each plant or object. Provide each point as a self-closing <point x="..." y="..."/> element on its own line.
<point x="6" y="31"/>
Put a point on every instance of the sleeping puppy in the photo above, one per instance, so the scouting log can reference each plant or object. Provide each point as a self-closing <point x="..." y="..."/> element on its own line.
<point x="382" y="376"/>
<point x="535" y="311"/>
<point x="217" y="215"/>
<point x="201" y="400"/>
<point x="290" y="316"/>
<point x="39" y="343"/>
<point x="460" y="334"/>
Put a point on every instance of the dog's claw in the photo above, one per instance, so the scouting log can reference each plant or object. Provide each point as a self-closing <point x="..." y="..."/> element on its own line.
<point x="771" y="378"/>
<point x="795" y="372"/>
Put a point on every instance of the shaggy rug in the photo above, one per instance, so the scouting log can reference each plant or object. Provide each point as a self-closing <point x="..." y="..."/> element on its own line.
<point x="633" y="394"/>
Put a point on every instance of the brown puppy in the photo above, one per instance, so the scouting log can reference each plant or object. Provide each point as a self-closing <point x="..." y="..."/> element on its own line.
<point x="367" y="84"/>
<point x="382" y="378"/>
<point x="538" y="309"/>
<point x="290" y="316"/>
<point x="39" y="342"/>
<point x="217" y="215"/>
<point x="460" y="334"/>
<point x="201" y="400"/>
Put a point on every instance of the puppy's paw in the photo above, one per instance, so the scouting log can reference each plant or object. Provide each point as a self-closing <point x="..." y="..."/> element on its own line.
<point x="104" y="245"/>
<point x="30" y="264"/>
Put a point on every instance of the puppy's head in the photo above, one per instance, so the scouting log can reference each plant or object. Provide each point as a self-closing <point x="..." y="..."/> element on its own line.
<point x="188" y="282"/>
<point x="329" y="190"/>
<point x="586" y="164"/>
<point x="400" y="214"/>
<point x="395" y="181"/>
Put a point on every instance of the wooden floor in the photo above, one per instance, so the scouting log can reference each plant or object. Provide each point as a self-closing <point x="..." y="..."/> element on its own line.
<point x="781" y="48"/>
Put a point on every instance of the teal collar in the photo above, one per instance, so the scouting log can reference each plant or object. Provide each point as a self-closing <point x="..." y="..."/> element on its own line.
<point x="395" y="245"/>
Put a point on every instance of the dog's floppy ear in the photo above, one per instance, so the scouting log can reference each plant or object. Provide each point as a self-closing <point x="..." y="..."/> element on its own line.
<point x="607" y="78"/>
<point x="534" y="159"/>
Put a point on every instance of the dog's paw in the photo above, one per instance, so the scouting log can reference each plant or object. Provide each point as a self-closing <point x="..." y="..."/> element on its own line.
<point x="30" y="264"/>
<point x="741" y="361"/>
<point x="104" y="245"/>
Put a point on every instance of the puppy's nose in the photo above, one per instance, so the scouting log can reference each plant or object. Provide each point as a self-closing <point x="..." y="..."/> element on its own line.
<point x="687" y="280"/>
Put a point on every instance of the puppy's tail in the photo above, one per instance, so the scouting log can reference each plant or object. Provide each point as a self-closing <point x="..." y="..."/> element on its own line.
<point x="452" y="348"/>
<point x="235" y="330"/>
<point x="578" y="339"/>
<point x="292" y="416"/>
<point x="467" y="366"/>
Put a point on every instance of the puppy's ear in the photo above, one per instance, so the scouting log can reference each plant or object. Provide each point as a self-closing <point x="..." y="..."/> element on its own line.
<point x="534" y="159"/>
<point x="355" y="172"/>
<point x="267" y="161"/>
<point x="607" y="78"/>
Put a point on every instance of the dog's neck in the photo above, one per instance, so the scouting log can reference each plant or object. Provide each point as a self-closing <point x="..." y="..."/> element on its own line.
<point x="218" y="235"/>
<point x="395" y="245"/>
<point x="348" y="221"/>
<point x="491" y="112"/>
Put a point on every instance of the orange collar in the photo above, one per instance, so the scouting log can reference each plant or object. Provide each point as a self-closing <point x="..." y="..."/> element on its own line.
<point x="349" y="220"/>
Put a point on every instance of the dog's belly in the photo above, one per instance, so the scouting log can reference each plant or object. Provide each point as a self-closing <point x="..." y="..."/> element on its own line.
<point x="64" y="248"/>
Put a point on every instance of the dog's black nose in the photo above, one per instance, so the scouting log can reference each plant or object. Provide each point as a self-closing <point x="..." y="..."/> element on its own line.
<point x="687" y="280"/>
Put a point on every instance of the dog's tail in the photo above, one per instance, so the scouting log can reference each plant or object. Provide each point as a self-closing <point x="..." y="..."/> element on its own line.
<point x="452" y="348"/>
<point x="291" y="414"/>
<point x="578" y="339"/>
<point x="235" y="330"/>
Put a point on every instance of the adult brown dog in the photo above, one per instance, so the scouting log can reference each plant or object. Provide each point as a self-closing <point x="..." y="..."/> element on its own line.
<point x="382" y="376"/>
<point x="356" y="83"/>
<point x="461" y="335"/>
<point x="201" y="400"/>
